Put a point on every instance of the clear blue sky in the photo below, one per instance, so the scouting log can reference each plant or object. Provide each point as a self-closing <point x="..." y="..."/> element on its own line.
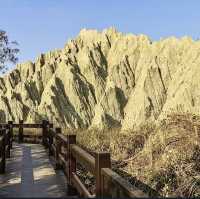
<point x="43" y="25"/>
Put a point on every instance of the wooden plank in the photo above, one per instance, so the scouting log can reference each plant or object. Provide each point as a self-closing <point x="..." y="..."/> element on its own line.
<point x="32" y="136"/>
<point x="71" y="160"/>
<point x="83" y="158"/>
<point x="58" y="148"/>
<point x="21" y="131"/>
<point x="62" y="137"/>
<point x="45" y="124"/>
<point x="62" y="158"/>
<point x="28" y="125"/>
<point x="52" y="132"/>
<point x="102" y="160"/>
<point x="9" y="140"/>
<point x="50" y="141"/>
<point x="10" y="127"/>
<point x="63" y="148"/>
<point x="116" y="182"/>
<point x="32" y="125"/>
<point x="54" y="149"/>
<point x="7" y="150"/>
<point x="80" y="186"/>
<point x="4" y="125"/>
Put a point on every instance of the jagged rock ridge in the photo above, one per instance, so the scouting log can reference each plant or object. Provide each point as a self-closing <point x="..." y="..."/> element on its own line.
<point x="104" y="79"/>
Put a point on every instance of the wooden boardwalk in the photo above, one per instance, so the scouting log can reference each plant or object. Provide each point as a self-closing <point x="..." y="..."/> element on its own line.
<point x="30" y="173"/>
<point x="27" y="171"/>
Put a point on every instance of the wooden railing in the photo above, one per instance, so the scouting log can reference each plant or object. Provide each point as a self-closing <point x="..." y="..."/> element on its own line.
<point x="66" y="154"/>
<point x="21" y="125"/>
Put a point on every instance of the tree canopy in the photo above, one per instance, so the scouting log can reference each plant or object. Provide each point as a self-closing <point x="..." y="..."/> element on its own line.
<point x="8" y="51"/>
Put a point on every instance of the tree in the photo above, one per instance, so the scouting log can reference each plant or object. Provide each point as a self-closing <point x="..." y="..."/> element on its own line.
<point x="8" y="51"/>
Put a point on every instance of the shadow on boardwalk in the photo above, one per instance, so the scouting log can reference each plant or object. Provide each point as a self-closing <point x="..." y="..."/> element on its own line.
<point x="29" y="173"/>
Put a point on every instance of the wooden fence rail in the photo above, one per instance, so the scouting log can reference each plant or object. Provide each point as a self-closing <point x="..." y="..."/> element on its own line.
<point x="67" y="154"/>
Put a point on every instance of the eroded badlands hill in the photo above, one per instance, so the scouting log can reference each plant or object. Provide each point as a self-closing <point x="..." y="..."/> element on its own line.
<point x="103" y="79"/>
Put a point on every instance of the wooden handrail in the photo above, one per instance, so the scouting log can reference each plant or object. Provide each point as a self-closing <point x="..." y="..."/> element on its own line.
<point x="99" y="165"/>
<point x="62" y="138"/>
<point x="25" y="125"/>
<point x="112" y="179"/>
<point x="83" y="157"/>
<point x="67" y="154"/>
<point x="81" y="187"/>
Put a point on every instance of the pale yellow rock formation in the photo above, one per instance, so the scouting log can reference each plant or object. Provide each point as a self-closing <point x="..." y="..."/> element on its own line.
<point x="104" y="79"/>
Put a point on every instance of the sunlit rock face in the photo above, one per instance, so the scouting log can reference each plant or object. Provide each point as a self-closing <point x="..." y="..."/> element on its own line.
<point x="105" y="79"/>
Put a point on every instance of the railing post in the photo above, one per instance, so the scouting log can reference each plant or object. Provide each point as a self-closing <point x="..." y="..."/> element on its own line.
<point x="21" y="136"/>
<point x="10" y="124"/>
<point x="44" y="132"/>
<point x="7" y="141"/>
<point x="58" y="148"/>
<point x="102" y="160"/>
<point x="50" y="138"/>
<point x="47" y="135"/>
<point x="3" y="153"/>
<point x="71" y="139"/>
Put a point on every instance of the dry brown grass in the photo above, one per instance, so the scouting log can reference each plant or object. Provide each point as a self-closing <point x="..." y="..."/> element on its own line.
<point x="164" y="156"/>
<point x="122" y="146"/>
